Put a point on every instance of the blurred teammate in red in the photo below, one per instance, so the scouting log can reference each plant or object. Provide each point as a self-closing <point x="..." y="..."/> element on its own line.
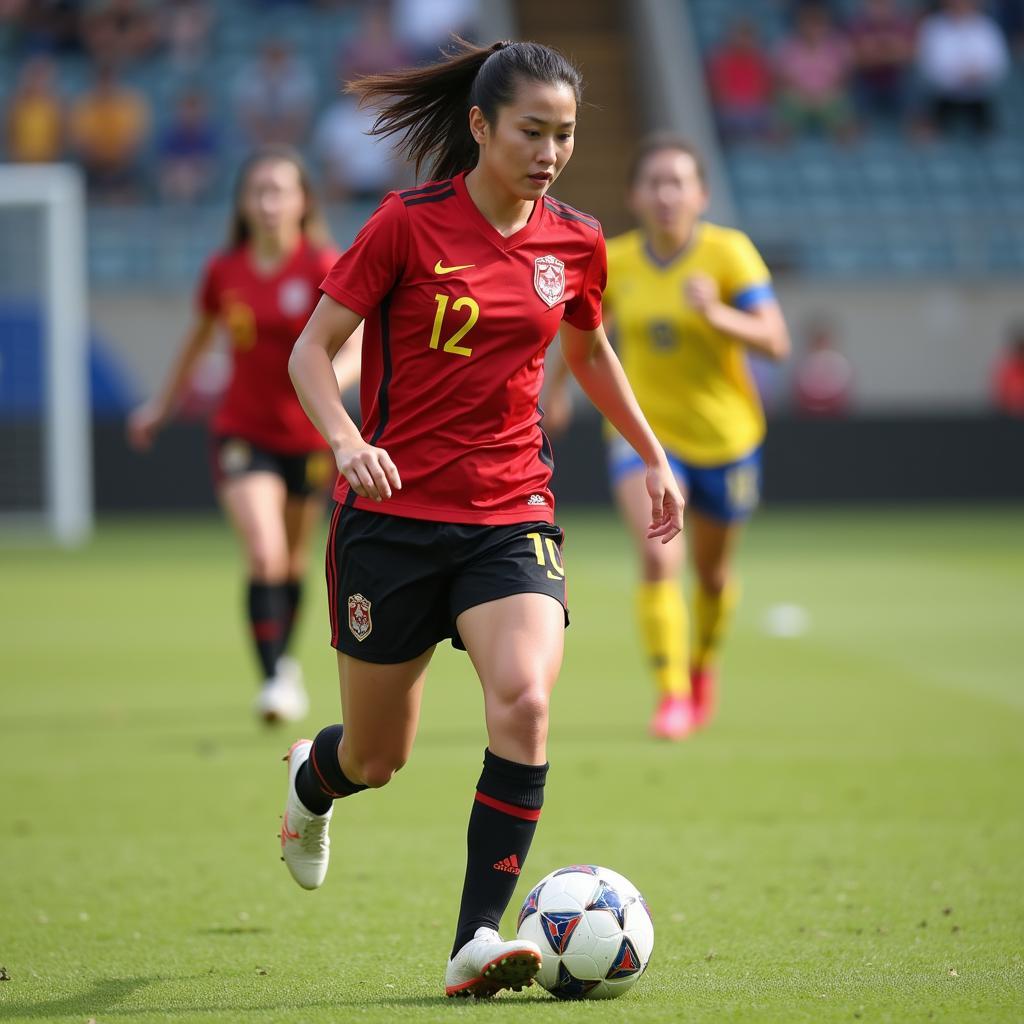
<point x="271" y="466"/>
<point x="1008" y="375"/>
<point x="445" y="522"/>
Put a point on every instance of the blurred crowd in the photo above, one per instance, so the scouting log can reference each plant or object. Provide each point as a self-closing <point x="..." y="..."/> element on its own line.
<point x="131" y="151"/>
<point x="890" y="64"/>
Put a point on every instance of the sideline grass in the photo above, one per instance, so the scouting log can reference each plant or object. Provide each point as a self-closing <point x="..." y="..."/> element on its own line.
<point x="844" y="845"/>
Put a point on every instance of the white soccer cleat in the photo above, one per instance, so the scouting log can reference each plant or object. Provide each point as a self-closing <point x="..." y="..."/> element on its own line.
<point x="288" y="667"/>
<point x="485" y="965"/>
<point x="305" y="844"/>
<point x="282" y="699"/>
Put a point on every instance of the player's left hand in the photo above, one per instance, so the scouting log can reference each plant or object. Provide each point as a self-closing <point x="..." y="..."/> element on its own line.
<point x="666" y="503"/>
<point x="701" y="292"/>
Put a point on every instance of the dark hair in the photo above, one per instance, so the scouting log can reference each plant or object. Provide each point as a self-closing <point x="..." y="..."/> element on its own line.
<point x="429" y="106"/>
<point x="660" y="142"/>
<point x="313" y="226"/>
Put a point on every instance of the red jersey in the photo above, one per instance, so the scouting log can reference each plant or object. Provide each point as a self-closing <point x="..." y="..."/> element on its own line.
<point x="263" y="315"/>
<point x="458" y="319"/>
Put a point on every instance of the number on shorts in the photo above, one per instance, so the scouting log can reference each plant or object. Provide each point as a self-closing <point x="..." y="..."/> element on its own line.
<point x="553" y="560"/>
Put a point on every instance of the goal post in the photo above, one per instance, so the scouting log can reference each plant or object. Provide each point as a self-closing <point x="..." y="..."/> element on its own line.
<point x="53" y="289"/>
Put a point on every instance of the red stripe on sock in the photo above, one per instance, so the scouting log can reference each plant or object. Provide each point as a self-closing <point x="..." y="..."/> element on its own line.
<point x="266" y="629"/>
<point x="499" y="805"/>
<point x="323" y="782"/>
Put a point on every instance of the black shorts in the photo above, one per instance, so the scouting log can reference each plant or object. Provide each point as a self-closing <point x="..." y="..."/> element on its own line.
<point x="304" y="473"/>
<point x="395" y="585"/>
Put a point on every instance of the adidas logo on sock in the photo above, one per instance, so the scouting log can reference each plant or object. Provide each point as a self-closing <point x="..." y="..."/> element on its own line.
<point x="509" y="864"/>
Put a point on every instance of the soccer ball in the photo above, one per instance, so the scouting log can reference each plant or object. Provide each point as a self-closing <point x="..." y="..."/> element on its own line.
<point x="594" y="930"/>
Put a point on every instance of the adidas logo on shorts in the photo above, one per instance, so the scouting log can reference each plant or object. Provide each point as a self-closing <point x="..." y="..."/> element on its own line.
<point x="536" y="499"/>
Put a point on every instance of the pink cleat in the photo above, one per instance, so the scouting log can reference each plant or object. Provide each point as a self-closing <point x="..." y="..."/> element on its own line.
<point x="674" y="718"/>
<point x="703" y="687"/>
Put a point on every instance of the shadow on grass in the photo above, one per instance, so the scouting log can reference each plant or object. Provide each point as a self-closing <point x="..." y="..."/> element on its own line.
<point x="97" y="1001"/>
<point x="101" y="1001"/>
<point x="239" y="929"/>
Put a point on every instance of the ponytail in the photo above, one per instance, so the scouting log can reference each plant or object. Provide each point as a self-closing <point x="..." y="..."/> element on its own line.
<point x="429" y="106"/>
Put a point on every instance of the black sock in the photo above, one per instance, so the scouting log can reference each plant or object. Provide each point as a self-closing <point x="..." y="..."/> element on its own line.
<point x="509" y="797"/>
<point x="267" y="604"/>
<point x="293" y="598"/>
<point x="320" y="781"/>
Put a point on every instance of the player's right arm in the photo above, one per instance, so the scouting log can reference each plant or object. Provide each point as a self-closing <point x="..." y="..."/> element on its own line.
<point x="146" y="421"/>
<point x="369" y="470"/>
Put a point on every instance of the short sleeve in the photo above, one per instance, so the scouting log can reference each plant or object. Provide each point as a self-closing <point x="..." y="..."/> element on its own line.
<point x="369" y="268"/>
<point x="584" y="311"/>
<point x="208" y="293"/>
<point x="748" y="280"/>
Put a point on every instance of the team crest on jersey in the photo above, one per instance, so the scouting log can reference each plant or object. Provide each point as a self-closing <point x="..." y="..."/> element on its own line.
<point x="549" y="279"/>
<point x="294" y="297"/>
<point x="360" y="624"/>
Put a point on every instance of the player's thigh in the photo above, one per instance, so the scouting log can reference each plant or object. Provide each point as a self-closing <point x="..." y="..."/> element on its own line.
<point x="380" y="708"/>
<point x="712" y="543"/>
<point x="302" y="513"/>
<point x="659" y="561"/>
<point x="254" y="504"/>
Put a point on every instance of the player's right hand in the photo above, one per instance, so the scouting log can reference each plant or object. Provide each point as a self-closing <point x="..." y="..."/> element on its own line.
<point x="368" y="470"/>
<point x="143" y="425"/>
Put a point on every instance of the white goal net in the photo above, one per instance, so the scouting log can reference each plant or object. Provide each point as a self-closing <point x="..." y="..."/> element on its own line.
<point x="45" y="425"/>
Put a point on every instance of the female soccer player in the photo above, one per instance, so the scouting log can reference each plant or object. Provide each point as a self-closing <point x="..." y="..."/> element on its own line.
<point x="687" y="300"/>
<point x="271" y="466"/>
<point x="444" y="527"/>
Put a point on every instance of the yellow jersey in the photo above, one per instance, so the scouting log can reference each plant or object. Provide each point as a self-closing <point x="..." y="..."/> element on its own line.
<point x="692" y="381"/>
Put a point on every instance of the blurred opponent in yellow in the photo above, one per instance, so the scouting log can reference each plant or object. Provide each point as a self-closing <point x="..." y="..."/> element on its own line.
<point x="687" y="300"/>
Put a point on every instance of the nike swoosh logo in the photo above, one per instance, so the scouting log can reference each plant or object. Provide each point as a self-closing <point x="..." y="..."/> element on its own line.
<point x="438" y="269"/>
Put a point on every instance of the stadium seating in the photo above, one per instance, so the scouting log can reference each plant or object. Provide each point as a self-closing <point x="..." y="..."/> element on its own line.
<point x="882" y="204"/>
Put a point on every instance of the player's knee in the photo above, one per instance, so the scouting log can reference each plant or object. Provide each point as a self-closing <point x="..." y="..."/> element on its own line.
<point x="377" y="771"/>
<point x="658" y="565"/>
<point x="525" y="712"/>
<point x="266" y="564"/>
<point x="713" y="580"/>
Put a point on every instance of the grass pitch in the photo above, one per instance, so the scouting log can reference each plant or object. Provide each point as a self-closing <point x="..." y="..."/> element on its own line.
<point x="845" y="844"/>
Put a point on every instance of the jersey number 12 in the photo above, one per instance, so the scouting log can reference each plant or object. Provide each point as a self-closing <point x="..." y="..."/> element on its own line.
<point x="452" y="344"/>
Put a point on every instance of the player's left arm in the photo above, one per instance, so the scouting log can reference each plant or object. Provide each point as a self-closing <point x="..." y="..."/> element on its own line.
<point x="348" y="360"/>
<point x="592" y="360"/>
<point x="761" y="328"/>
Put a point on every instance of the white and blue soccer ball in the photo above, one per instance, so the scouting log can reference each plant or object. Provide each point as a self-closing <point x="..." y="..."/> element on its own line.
<point x="594" y="930"/>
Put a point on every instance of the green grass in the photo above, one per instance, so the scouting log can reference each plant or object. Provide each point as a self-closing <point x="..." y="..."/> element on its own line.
<point x="846" y="843"/>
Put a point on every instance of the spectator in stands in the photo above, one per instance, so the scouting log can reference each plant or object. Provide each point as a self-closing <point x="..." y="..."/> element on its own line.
<point x="274" y="97"/>
<point x="962" y="58"/>
<point x="882" y="40"/>
<point x="119" y="31"/>
<point x="823" y="378"/>
<point x="353" y="164"/>
<point x="742" y="84"/>
<point x="185" y="31"/>
<point x="1008" y="375"/>
<point x="372" y="48"/>
<point x="109" y="128"/>
<point x="425" y="28"/>
<point x="51" y="26"/>
<point x="35" y="115"/>
<point x="813" y="66"/>
<point x="1010" y="15"/>
<point x="188" y="151"/>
